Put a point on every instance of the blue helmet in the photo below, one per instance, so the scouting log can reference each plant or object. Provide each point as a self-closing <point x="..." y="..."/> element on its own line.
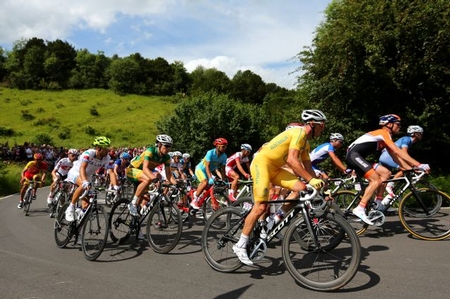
<point x="125" y="156"/>
<point x="389" y="118"/>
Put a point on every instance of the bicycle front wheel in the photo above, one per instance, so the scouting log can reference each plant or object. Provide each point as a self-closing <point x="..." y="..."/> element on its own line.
<point x="426" y="214"/>
<point x="63" y="229"/>
<point x="95" y="233"/>
<point x="164" y="227"/>
<point x="220" y="233"/>
<point x="211" y="206"/>
<point x="328" y="265"/>
<point x="119" y="221"/>
<point x="27" y="202"/>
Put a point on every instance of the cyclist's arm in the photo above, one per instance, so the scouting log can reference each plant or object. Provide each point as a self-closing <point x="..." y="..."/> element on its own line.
<point x="147" y="171"/>
<point x="83" y="175"/>
<point x="395" y="152"/>
<point x="169" y="175"/>
<point x="208" y="171"/>
<point x="239" y="166"/>
<point x="297" y="167"/>
<point x="337" y="162"/>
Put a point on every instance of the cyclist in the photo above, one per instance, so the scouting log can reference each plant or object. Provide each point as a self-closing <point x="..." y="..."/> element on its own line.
<point x="60" y="172"/>
<point x="236" y="160"/>
<point x="187" y="166"/>
<point x="142" y="169"/>
<point x="118" y="170"/>
<point x="80" y="174"/>
<point x="325" y="150"/>
<point x="415" y="134"/>
<point x="369" y="143"/>
<point x="175" y="165"/>
<point x="34" y="170"/>
<point x="290" y="147"/>
<point x="214" y="159"/>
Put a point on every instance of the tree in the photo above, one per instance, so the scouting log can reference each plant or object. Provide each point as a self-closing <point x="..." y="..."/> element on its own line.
<point x="248" y="87"/>
<point x="60" y="61"/>
<point x="196" y="122"/>
<point x="123" y="74"/>
<point x="373" y="57"/>
<point x="209" y="80"/>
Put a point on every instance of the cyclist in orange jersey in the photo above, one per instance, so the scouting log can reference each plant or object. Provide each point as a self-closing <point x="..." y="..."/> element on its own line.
<point x="368" y="144"/>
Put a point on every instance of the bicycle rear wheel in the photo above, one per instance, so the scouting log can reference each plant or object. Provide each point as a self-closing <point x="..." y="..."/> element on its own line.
<point x="211" y="206"/>
<point x="94" y="233"/>
<point x="328" y="266"/>
<point x="63" y="229"/>
<point x="119" y="221"/>
<point x="343" y="198"/>
<point x="220" y="233"/>
<point x="164" y="227"/>
<point x="426" y="215"/>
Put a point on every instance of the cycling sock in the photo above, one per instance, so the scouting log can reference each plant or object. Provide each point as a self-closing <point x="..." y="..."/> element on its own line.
<point x="134" y="201"/>
<point x="243" y="241"/>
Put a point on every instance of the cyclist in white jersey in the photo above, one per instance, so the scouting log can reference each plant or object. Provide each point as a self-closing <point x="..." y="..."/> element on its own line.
<point x="325" y="150"/>
<point x="83" y="169"/>
<point x="60" y="172"/>
<point x="237" y="160"/>
<point x="176" y="166"/>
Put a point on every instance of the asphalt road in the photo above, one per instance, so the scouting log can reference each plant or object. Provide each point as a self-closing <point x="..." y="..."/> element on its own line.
<point x="394" y="265"/>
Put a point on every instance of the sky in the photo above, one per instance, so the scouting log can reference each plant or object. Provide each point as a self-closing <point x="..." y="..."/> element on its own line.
<point x="262" y="36"/>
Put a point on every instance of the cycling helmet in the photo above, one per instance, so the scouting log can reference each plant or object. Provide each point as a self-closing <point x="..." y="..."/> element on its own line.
<point x="313" y="115"/>
<point x="177" y="153"/>
<point x="293" y="125"/>
<point x="72" y="151"/>
<point x="389" y="118"/>
<point x="101" y="141"/>
<point x="38" y="156"/>
<point x="171" y="154"/>
<point x="337" y="136"/>
<point x="164" y="139"/>
<point x="246" y="147"/>
<point x="220" y="141"/>
<point x="414" y="129"/>
<point x="125" y="156"/>
<point x="186" y="156"/>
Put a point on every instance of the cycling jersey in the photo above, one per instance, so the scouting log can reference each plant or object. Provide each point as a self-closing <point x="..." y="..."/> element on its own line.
<point x="267" y="165"/>
<point x="32" y="168"/>
<point x="89" y="156"/>
<point x="321" y="153"/>
<point x="214" y="160"/>
<point x="151" y="155"/>
<point x="231" y="161"/>
<point x="386" y="159"/>
<point x="186" y="165"/>
<point x="63" y="166"/>
<point x="121" y="165"/>
<point x="365" y="145"/>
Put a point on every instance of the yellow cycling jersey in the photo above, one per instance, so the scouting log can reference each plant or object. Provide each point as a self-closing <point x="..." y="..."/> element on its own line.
<point x="276" y="151"/>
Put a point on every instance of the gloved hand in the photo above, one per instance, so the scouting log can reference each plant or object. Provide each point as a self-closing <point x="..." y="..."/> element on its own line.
<point x="425" y="167"/>
<point x="85" y="184"/>
<point x="348" y="171"/>
<point x="211" y="181"/>
<point x="247" y="176"/>
<point x="316" y="183"/>
<point x="194" y="178"/>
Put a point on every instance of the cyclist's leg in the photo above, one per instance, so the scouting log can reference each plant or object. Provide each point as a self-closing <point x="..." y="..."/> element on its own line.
<point x="137" y="176"/>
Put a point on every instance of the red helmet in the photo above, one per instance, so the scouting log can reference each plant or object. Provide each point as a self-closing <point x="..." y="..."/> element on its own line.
<point x="38" y="156"/>
<point x="220" y="141"/>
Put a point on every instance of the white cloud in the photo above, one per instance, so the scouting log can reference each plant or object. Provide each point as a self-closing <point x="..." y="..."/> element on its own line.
<point x="229" y="35"/>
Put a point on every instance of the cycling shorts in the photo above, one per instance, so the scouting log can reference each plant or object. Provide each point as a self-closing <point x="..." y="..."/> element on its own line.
<point x="200" y="174"/>
<point x="361" y="166"/>
<point x="133" y="174"/>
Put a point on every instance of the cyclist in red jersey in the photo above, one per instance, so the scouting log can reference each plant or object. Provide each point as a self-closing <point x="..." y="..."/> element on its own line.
<point x="367" y="144"/>
<point x="34" y="170"/>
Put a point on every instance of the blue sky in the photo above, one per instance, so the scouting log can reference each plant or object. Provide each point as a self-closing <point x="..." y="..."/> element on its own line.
<point x="261" y="36"/>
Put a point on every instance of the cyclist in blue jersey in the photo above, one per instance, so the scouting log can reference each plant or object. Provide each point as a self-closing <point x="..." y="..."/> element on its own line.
<point x="415" y="134"/>
<point x="325" y="150"/>
<point x="213" y="160"/>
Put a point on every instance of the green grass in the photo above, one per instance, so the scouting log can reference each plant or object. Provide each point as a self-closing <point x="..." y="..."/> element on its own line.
<point x="127" y="120"/>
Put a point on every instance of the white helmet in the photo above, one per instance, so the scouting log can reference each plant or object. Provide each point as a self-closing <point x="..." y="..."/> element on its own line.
<point x="293" y="125"/>
<point x="246" y="147"/>
<point x="177" y="153"/>
<point x="72" y="151"/>
<point x="171" y="154"/>
<point x="164" y="139"/>
<point x="414" y="129"/>
<point x="337" y="136"/>
<point x="313" y="115"/>
<point x="186" y="155"/>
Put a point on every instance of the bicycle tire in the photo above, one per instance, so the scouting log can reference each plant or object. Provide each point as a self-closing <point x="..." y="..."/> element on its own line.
<point x="220" y="233"/>
<point x="208" y="208"/>
<point x="164" y="227"/>
<point x="27" y="202"/>
<point x="63" y="229"/>
<point x="240" y="202"/>
<point x="94" y="233"/>
<point x="55" y="206"/>
<point x="119" y="221"/>
<point x="431" y="226"/>
<point x="328" y="267"/>
<point x="342" y="199"/>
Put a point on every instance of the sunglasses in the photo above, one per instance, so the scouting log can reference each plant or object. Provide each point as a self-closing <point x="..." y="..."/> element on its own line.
<point x="167" y="145"/>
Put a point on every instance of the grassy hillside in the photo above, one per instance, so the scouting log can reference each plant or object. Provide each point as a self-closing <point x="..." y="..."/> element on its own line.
<point x="127" y="120"/>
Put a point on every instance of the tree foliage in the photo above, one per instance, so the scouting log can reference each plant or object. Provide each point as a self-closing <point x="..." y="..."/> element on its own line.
<point x="196" y="122"/>
<point x="372" y="57"/>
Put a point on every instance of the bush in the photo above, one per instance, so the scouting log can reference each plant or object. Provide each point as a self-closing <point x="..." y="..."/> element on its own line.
<point x="94" y="112"/>
<point x="46" y="121"/>
<point x="64" y="134"/>
<point x="43" y="139"/>
<point x="6" y="131"/>
<point x="26" y="115"/>
<point x="89" y="130"/>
